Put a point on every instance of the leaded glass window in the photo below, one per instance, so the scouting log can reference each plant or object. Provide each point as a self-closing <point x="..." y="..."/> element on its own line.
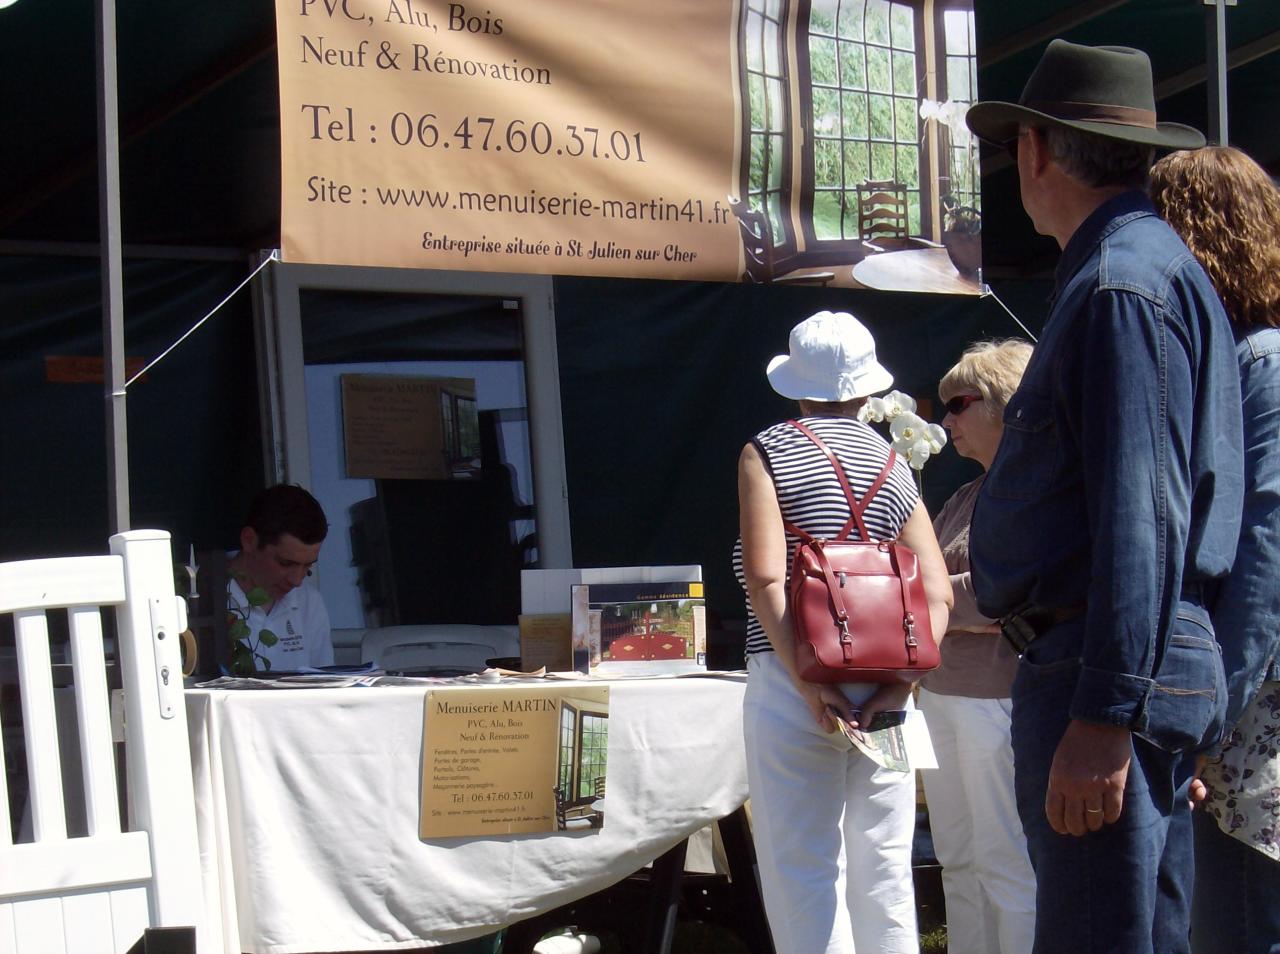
<point x="765" y="67"/>
<point x="961" y="63"/>
<point x="568" y="736"/>
<point x="864" y="107"/>
<point x="584" y="750"/>
<point x="595" y="751"/>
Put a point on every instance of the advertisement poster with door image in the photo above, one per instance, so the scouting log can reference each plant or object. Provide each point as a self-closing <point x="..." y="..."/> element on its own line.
<point x="729" y="140"/>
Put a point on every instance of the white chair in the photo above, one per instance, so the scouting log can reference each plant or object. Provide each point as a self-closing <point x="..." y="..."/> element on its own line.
<point x="438" y="646"/>
<point x="101" y="892"/>
<point x="346" y="645"/>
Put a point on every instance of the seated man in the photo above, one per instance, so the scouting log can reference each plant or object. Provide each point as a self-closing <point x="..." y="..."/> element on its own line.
<point x="287" y="623"/>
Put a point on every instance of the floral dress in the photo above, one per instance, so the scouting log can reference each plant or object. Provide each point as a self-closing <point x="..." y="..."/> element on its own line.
<point x="1244" y="780"/>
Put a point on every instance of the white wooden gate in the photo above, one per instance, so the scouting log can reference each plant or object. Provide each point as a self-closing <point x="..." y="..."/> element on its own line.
<point x="98" y="893"/>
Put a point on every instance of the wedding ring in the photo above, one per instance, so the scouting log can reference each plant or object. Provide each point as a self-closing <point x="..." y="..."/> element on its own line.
<point x="1094" y="811"/>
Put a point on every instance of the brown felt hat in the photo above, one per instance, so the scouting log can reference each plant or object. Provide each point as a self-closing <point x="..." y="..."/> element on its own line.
<point x="1104" y="90"/>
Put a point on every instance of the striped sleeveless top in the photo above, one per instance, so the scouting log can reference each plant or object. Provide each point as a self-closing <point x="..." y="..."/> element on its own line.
<point x="809" y="492"/>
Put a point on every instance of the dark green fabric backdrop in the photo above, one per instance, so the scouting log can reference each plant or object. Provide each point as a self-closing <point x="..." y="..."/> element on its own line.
<point x="195" y="453"/>
<point x="663" y="382"/>
<point x="661" y="385"/>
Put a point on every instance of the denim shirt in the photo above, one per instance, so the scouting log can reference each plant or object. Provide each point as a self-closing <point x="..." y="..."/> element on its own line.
<point x="1118" y="482"/>
<point x="1246" y="605"/>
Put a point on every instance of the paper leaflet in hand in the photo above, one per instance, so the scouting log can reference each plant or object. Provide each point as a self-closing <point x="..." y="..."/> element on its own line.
<point x="896" y="739"/>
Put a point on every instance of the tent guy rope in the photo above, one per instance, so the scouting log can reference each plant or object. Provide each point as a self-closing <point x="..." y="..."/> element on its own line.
<point x="273" y="257"/>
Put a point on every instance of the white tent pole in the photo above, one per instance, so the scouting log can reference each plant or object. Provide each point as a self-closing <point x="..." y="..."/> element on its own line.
<point x="112" y="279"/>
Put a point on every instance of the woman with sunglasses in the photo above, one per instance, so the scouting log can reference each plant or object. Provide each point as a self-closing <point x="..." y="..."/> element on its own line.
<point x="987" y="878"/>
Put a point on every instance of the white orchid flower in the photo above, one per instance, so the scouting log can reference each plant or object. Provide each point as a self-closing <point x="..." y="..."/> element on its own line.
<point x="919" y="454"/>
<point x="873" y="411"/>
<point x="907" y="430"/>
<point x="931" y="109"/>
<point x="913" y="438"/>
<point x="897" y="403"/>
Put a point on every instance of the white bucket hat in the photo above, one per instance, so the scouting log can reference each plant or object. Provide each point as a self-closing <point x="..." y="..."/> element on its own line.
<point x="833" y="358"/>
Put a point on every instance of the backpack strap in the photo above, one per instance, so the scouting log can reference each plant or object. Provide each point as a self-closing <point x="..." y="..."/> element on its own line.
<point x="908" y="610"/>
<point x="835" y="599"/>
<point x="856" y="507"/>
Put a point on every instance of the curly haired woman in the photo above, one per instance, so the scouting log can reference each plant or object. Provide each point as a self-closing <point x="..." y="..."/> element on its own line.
<point x="1227" y="210"/>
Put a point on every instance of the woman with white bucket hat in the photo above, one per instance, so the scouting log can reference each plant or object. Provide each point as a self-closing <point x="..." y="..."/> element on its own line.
<point x="833" y="830"/>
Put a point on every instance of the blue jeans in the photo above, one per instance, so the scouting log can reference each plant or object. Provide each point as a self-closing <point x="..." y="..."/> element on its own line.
<point x="1124" y="889"/>
<point x="1236" y="907"/>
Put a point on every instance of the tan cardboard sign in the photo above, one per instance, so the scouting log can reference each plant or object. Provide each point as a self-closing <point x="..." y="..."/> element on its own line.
<point x="549" y="137"/>
<point x="503" y="760"/>
<point x="546" y="642"/>
<point x="716" y="140"/>
<point x="394" y="426"/>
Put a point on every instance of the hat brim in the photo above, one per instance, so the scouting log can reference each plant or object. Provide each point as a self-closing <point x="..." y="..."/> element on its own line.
<point x="997" y="123"/>
<point x="784" y="379"/>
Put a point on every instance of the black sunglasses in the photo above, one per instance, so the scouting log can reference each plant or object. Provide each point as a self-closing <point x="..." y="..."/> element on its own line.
<point x="960" y="403"/>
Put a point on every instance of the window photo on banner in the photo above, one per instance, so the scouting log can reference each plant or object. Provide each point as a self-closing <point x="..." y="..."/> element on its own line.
<point x="756" y="140"/>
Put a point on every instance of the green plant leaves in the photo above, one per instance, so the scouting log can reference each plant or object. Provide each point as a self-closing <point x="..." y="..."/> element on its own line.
<point x="241" y="660"/>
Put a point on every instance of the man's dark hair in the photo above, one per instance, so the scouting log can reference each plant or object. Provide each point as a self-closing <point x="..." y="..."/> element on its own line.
<point x="1098" y="161"/>
<point x="287" y="508"/>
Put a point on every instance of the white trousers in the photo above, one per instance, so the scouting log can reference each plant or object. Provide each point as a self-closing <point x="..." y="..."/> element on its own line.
<point x="987" y="877"/>
<point x="832" y="829"/>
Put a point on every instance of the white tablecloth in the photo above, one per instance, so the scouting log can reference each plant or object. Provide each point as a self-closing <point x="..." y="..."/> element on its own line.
<point x="307" y="807"/>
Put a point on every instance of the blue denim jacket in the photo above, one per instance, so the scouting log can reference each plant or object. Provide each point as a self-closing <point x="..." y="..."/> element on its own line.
<point x="1118" y="481"/>
<point x="1246" y="605"/>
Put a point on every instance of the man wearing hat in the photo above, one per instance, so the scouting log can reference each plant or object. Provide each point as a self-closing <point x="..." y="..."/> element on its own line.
<point x="1113" y="500"/>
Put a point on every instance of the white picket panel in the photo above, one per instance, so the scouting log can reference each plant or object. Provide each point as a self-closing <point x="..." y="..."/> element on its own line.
<point x="89" y="923"/>
<point x="129" y="907"/>
<point x="40" y="725"/>
<point x="63" y="581"/>
<point x="84" y="915"/>
<point x="38" y="926"/>
<point x="99" y="892"/>
<point x="93" y="717"/>
<point x="6" y="836"/>
<point x="8" y="933"/>
<point x="161" y="794"/>
<point x="53" y="867"/>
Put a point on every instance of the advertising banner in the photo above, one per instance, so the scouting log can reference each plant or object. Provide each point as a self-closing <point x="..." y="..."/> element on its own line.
<point x="719" y="140"/>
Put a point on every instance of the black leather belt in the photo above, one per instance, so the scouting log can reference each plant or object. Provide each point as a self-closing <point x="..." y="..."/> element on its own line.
<point x="1024" y="626"/>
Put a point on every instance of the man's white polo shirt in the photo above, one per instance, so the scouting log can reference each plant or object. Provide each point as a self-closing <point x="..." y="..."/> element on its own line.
<point x="299" y="620"/>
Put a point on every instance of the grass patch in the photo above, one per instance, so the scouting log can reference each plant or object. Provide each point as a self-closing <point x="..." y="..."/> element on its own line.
<point x="934" y="942"/>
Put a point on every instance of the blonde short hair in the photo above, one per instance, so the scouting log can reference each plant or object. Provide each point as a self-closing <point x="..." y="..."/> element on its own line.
<point x="992" y="368"/>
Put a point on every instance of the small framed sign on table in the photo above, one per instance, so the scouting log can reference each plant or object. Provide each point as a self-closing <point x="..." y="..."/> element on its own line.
<point x="512" y="760"/>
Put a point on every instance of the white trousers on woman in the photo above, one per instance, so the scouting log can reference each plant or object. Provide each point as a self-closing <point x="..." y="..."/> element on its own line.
<point x="832" y="829"/>
<point x="987" y="877"/>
